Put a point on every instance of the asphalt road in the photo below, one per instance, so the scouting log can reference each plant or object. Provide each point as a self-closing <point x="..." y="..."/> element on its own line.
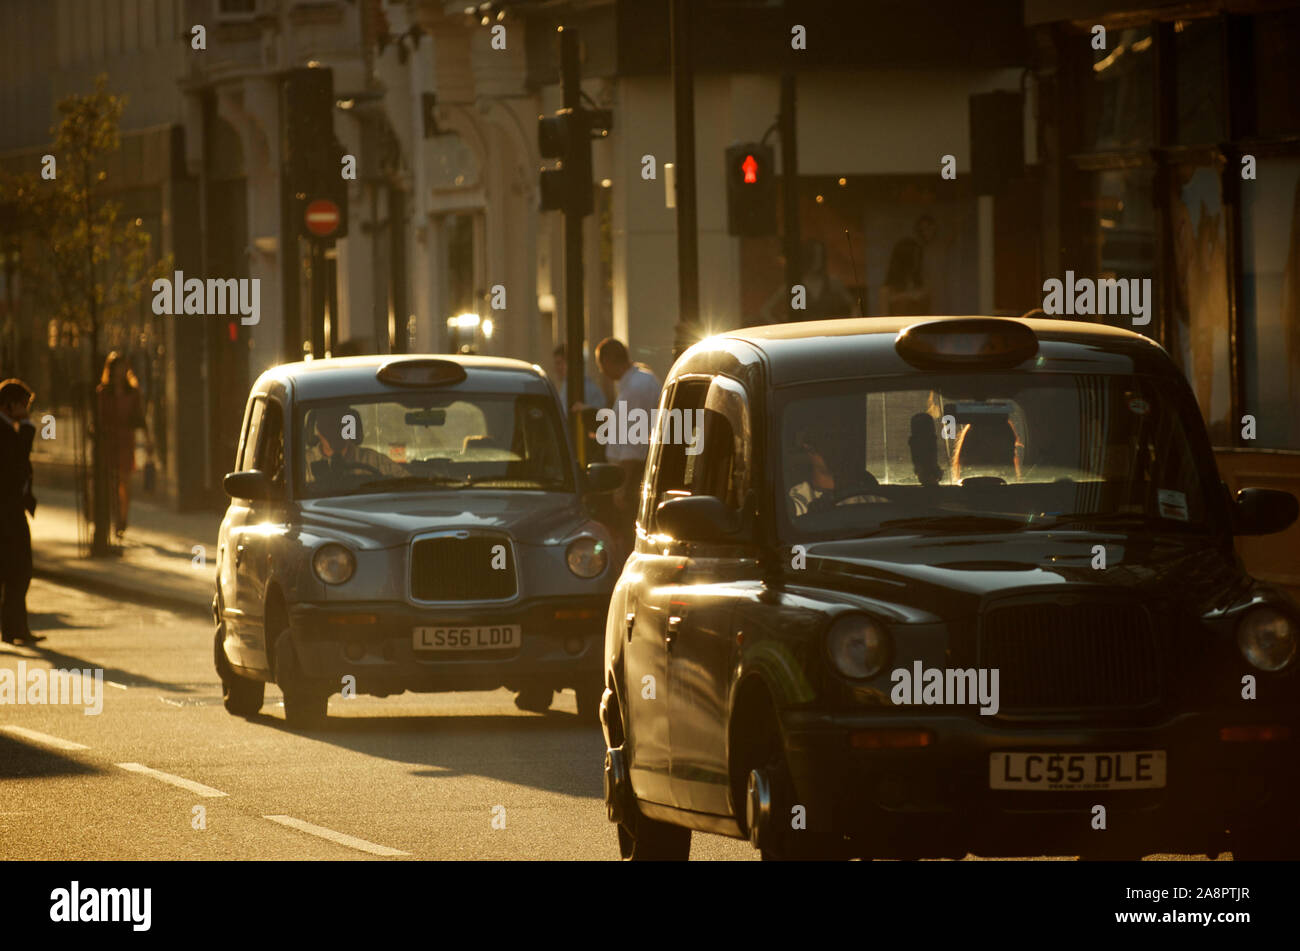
<point x="430" y="776"/>
<point x="163" y="772"/>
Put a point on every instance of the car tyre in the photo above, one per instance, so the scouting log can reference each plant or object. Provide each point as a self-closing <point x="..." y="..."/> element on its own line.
<point x="535" y="699"/>
<point x="242" y="697"/>
<point x="305" y="705"/>
<point x="777" y="840"/>
<point x="648" y="840"/>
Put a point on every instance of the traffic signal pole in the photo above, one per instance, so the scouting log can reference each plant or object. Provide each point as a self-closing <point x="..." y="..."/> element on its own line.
<point x="574" y="311"/>
<point x="688" y="251"/>
<point x="790" y="188"/>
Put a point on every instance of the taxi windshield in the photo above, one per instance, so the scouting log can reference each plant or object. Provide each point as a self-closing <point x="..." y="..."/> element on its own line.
<point x="430" y="442"/>
<point x="986" y="452"/>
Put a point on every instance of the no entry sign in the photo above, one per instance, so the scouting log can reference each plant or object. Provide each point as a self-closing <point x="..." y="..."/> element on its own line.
<point x="322" y="217"/>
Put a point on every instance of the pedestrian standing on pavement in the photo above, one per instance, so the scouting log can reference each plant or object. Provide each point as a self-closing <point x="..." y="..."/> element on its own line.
<point x="636" y="388"/>
<point x="16" y="501"/>
<point x="121" y="413"/>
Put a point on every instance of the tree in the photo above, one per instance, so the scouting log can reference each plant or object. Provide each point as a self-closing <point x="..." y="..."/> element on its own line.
<point x="82" y="261"/>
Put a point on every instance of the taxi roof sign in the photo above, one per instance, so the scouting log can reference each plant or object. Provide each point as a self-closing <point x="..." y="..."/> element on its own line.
<point x="976" y="342"/>
<point x="420" y="371"/>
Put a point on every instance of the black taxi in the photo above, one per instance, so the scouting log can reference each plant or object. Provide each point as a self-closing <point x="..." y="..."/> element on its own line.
<point x="937" y="586"/>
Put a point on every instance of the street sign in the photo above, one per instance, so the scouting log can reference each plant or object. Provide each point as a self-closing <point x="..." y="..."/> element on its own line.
<point x="321" y="217"/>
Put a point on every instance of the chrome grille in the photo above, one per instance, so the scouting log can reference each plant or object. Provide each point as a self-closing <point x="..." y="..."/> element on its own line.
<point x="459" y="568"/>
<point x="1072" y="656"/>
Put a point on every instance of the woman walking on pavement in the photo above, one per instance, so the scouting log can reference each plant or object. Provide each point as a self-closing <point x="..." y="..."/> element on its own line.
<point x="121" y="413"/>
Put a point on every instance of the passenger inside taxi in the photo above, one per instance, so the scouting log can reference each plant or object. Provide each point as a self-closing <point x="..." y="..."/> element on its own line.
<point x="987" y="447"/>
<point x="337" y="455"/>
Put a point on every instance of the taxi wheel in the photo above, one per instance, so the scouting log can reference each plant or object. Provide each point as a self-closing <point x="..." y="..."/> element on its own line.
<point x="241" y="697"/>
<point x="305" y="705"/>
<point x="770" y="801"/>
<point x="648" y="840"/>
<point x="535" y="699"/>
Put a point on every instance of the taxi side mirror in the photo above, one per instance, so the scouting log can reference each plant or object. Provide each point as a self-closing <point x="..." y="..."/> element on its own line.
<point x="251" y="484"/>
<point x="603" y="477"/>
<point x="1263" y="511"/>
<point x="696" y="518"/>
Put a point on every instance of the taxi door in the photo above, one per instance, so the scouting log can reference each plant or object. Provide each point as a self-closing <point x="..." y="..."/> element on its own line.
<point x="699" y="641"/>
<point x="248" y="545"/>
<point x="655" y="565"/>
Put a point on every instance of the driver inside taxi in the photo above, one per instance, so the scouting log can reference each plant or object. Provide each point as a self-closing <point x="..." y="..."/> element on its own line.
<point x="338" y="454"/>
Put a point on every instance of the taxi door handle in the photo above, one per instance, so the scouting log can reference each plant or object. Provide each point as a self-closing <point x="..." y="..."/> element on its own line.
<point x="674" y="627"/>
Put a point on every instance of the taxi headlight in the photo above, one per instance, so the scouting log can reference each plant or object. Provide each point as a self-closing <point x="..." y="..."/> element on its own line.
<point x="586" y="556"/>
<point x="333" y="563"/>
<point x="858" y="646"/>
<point x="1267" y="638"/>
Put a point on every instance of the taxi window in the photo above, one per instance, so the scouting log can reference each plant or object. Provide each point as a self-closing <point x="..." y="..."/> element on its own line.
<point x="269" y="456"/>
<point x="1030" y="448"/>
<point x="432" y="440"/>
<point x="252" y="435"/>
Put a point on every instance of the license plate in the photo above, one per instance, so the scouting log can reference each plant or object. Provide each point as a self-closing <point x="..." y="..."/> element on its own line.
<point x="501" y="637"/>
<point x="1052" y="772"/>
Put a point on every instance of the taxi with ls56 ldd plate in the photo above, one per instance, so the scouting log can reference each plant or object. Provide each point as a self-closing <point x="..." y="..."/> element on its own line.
<point x="409" y="523"/>
<point x="937" y="586"/>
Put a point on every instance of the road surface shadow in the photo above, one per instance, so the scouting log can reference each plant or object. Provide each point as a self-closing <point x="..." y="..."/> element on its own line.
<point x="555" y="752"/>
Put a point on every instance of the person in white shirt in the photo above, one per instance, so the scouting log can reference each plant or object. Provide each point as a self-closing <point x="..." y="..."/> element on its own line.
<point x="637" y="388"/>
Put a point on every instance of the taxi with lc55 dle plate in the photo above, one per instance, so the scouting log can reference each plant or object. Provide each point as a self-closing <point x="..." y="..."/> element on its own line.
<point x="409" y="523"/>
<point x="936" y="586"/>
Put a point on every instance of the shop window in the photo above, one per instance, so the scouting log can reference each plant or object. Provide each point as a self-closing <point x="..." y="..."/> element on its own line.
<point x="1270" y="305"/>
<point x="1119" y="233"/>
<point x="1277" y="37"/>
<point x="1119" y="112"/>
<point x="1197" y="331"/>
<point x="1198" y="57"/>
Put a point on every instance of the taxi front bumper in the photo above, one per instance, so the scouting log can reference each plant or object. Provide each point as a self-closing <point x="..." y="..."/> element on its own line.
<point x="892" y="800"/>
<point x="560" y="645"/>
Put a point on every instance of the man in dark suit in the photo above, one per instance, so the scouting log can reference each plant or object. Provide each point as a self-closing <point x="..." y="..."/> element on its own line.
<point x="16" y="435"/>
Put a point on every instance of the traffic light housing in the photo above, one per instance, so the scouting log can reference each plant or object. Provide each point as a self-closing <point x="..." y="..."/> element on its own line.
<point x="567" y="136"/>
<point x="751" y="189"/>
<point x="313" y="157"/>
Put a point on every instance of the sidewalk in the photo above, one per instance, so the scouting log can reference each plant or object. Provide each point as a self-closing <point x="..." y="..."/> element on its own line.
<point x="156" y="564"/>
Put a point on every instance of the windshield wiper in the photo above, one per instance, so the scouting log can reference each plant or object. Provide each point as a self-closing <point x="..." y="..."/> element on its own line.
<point x="969" y="523"/>
<point x="1127" y="519"/>
<point x="398" y="481"/>
<point x="506" y="480"/>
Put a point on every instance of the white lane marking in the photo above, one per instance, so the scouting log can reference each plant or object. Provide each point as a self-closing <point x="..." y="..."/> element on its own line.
<point x="197" y="788"/>
<point x="350" y="841"/>
<point x="37" y="736"/>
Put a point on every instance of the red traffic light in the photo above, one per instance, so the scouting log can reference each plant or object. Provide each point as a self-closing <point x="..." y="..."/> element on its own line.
<point x="750" y="168"/>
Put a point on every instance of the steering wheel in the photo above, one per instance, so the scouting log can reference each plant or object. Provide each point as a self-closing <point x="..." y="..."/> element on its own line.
<point x="860" y="486"/>
<point x="365" y="467"/>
